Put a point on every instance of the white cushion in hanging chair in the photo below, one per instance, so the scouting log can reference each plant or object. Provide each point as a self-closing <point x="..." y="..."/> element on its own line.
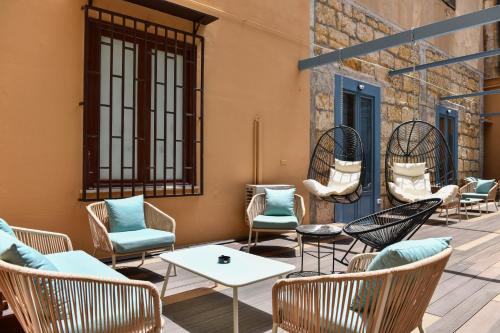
<point x="347" y="166"/>
<point x="409" y="169"/>
<point x="340" y="183"/>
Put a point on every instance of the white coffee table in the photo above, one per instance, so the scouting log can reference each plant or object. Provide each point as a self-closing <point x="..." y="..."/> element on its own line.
<point x="244" y="268"/>
<point x="470" y="202"/>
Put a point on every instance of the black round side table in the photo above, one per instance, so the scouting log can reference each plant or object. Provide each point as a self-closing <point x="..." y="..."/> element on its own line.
<point x="318" y="233"/>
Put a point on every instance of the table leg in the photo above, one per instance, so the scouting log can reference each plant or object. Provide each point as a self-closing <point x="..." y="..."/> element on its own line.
<point x="466" y="212"/>
<point x="319" y="273"/>
<point x="235" y="310"/>
<point x="333" y="257"/>
<point x="302" y="258"/>
<point x="165" y="281"/>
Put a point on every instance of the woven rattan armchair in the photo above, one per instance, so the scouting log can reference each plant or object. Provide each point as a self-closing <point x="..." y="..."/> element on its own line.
<point x="258" y="205"/>
<point x="471" y="188"/>
<point x="325" y="303"/>
<point x="99" y="228"/>
<point x="50" y="301"/>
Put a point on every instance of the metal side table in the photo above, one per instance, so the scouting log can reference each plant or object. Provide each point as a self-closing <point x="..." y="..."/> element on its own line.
<point x="318" y="233"/>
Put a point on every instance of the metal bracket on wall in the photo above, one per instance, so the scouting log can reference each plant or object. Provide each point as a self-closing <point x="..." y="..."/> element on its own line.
<point x="449" y="61"/>
<point x="474" y="94"/>
<point x="444" y="27"/>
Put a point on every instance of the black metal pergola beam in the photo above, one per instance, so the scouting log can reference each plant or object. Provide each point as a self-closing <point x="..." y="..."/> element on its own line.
<point x="449" y="61"/>
<point x="444" y="27"/>
<point x="491" y="114"/>
<point x="474" y="94"/>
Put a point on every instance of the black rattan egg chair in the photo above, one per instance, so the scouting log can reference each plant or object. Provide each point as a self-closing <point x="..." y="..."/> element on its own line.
<point x="343" y="143"/>
<point x="417" y="141"/>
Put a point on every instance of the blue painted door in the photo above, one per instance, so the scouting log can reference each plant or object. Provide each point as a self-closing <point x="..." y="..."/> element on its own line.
<point x="447" y="122"/>
<point x="361" y="111"/>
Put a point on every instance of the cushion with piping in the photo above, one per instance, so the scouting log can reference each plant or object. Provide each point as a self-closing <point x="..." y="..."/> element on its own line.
<point x="126" y="214"/>
<point x="484" y="185"/>
<point x="5" y="227"/>
<point x="409" y="169"/>
<point x="347" y="166"/>
<point x="280" y="202"/>
<point x="16" y="252"/>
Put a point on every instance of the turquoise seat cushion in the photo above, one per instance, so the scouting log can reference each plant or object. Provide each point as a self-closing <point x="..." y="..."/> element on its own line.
<point x="79" y="262"/>
<point x="141" y="240"/>
<point x="474" y="196"/>
<point x="279" y="202"/>
<point x="5" y="227"/>
<point x="126" y="214"/>
<point x="15" y="252"/>
<point x="484" y="185"/>
<point x="275" y="222"/>
<point x="398" y="254"/>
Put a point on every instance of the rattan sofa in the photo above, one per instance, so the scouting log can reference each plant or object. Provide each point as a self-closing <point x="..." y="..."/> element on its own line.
<point x="99" y="228"/>
<point x="325" y="303"/>
<point x="65" y="301"/>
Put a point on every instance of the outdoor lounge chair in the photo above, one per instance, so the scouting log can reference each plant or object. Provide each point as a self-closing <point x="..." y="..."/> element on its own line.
<point x="326" y="303"/>
<point x="83" y="295"/>
<point x="392" y="225"/>
<point x="419" y="165"/>
<point x="258" y="222"/>
<point x="471" y="190"/>
<point x="159" y="233"/>
<point x="336" y="168"/>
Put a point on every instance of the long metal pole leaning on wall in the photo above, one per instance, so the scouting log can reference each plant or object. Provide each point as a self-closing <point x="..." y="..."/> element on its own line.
<point x="444" y="62"/>
<point x="474" y="94"/>
<point x="440" y="28"/>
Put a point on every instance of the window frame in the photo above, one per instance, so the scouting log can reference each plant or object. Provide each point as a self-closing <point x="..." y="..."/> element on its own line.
<point x="145" y="42"/>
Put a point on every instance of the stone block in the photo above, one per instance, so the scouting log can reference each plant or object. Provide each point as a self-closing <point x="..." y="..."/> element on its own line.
<point x="321" y="34"/>
<point x="326" y="15"/>
<point x="346" y="24"/>
<point x="335" y="4"/>
<point x="364" y="32"/>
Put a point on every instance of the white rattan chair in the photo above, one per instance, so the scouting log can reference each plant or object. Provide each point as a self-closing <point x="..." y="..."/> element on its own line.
<point x="257" y="207"/>
<point x="50" y="301"/>
<point x="325" y="303"/>
<point x="99" y="228"/>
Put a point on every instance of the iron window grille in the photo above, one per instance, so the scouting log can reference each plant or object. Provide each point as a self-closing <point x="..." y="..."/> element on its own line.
<point x="143" y="108"/>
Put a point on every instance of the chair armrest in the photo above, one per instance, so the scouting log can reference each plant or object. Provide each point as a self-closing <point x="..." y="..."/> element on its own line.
<point x="99" y="233"/>
<point x="468" y="188"/>
<point x="80" y="300"/>
<point x="156" y="219"/>
<point x="45" y="242"/>
<point x="300" y="209"/>
<point x="301" y="304"/>
<point x="492" y="193"/>
<point x="255" y="207"/>
<point x="360" y="262"/>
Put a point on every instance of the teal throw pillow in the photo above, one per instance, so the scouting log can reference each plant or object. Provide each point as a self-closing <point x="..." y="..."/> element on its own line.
<point x="126" y="214"/>
<point x="398" y="254"/>
<point x="484" y="185"/>
<point x="5" y="227"/>
<point x="279" y="202"/>
<point x="15" y="252"/>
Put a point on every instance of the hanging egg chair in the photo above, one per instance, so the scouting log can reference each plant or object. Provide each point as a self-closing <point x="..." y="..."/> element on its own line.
<point x="336" y="168"/>
<point x="419" y="165"/>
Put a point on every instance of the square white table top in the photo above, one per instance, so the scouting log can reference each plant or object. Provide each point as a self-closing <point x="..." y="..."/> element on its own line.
<point x="243" y="269"/>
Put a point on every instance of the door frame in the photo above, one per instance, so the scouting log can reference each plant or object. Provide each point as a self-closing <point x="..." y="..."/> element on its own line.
<point x="363" y="88"/>
<point x="444" y="112"/>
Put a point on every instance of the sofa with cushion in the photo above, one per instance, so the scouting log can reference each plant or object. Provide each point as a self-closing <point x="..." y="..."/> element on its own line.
<point x="51" y="288"/>
<point x="129" y="226"/>
<point x="385" y="292"/>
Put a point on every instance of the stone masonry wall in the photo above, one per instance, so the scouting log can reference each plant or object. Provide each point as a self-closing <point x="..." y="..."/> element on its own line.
<point x="338" y="24"/>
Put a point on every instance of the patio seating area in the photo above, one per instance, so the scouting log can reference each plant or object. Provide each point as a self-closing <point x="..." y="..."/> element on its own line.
<point x="214" y="166"/>
<point x="466" y="299"/>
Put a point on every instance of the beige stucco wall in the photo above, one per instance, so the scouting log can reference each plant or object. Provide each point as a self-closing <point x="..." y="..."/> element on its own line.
<point x="250" y="70"/>
<point x="410" y="13"/>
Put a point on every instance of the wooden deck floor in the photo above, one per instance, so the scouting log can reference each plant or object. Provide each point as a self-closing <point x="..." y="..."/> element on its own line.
<point x="467" y="299"/>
